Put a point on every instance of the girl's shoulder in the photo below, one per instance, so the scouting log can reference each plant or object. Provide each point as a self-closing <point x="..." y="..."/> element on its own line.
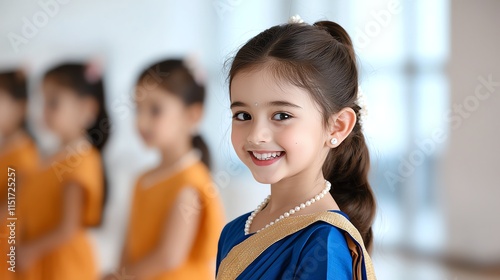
<point x="326" y="244"/>
<point x="194" y="175"/>
<point x="321" y="229"/>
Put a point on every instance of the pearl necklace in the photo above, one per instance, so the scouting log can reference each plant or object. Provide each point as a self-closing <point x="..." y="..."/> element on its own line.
<point x="286" y="214"/>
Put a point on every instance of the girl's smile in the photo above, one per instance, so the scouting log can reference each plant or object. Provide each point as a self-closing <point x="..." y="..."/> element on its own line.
<point x="265" y="158"/>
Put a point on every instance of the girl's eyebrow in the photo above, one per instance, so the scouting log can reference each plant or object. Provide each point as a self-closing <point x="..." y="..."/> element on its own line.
<point x="277" y="103"/>
<point x="282" y="103"/>
<point x="238" y="104"/>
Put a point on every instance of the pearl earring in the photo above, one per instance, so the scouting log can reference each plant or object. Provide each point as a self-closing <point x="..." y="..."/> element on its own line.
<point x="334" y="141"/>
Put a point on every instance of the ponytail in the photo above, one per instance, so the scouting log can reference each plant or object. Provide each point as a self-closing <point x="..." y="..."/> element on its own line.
<point x="338" y="33"/>
<point x="98" y="134"/>
<point x="346" y="167"/>
<point x="200" y="145"/>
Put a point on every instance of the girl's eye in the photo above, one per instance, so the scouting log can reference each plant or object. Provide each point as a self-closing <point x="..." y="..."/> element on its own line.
<point x="52" y="103"/>
<point x="155" y="111"/>
<point x="281" y="117"/>
<point x="242" y="116"/>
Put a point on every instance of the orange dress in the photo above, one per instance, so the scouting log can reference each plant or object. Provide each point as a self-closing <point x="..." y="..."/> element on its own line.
<point x="152" y="204"/>
<point x="41" y="212"/>
<point x="23" y="158"/>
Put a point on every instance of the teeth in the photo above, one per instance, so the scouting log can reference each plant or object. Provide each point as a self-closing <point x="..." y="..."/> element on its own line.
<point x="266" y="156"/>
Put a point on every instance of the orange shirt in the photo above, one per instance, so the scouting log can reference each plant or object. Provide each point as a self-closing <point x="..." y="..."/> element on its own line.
<point x="23" y="158"/>
<point x="41" y="212"/>
<point x="152" y="204"/>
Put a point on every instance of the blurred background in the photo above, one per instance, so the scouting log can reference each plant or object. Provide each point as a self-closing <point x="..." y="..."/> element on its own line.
<point x="430" y="71"/>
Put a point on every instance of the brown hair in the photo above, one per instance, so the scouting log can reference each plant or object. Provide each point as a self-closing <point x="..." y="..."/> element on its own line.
<point x="15" y="85"/>
<point x="173" y="76"/>
<point x="320" y="58"/>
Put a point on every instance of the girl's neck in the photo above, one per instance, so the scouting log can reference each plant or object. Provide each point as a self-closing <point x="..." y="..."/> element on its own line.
<point x="173" y="161"/>
<point x="171" y="155"/>
<point x="75" y="141"/>
<point x="290" y="192"/>
<point x="68" y="146"/>
<point x="12" y="139"/>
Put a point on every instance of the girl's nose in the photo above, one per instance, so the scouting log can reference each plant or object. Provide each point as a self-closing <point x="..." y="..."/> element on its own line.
<point x="259" y="133"/>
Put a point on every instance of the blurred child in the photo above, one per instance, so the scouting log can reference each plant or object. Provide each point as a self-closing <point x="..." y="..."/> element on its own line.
<point x="65" y="197"/>
<point x="297" y="126"/>
<point x="18" y="158"/>
<point x="176" y="216"/>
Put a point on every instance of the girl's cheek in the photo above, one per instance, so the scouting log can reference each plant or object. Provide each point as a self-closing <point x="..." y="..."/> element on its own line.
<point x="140" y="121"/>
<point x="60" y="122"/>
<point x="237" y="136"/>
<point x="286" y="136"/>
<point x="8" y="115"/>
<point x="165" y="129"/>
<point x="49" y="118"/>
<point x="65" y="118"/>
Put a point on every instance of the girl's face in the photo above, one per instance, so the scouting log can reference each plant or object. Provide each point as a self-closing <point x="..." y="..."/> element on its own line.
<point x="65" y="112"/>
<point x="11" y="114"/>
<point x="162" y="118"/>
<point x="277" y="129"/>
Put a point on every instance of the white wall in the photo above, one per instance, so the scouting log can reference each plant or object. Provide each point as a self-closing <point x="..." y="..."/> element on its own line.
<point x="471" y="167"/>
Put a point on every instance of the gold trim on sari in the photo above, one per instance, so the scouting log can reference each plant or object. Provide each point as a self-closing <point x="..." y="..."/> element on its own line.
<point x="243" y="254"/>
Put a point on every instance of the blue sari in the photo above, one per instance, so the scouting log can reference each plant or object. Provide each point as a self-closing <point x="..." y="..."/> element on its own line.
<point x="319" y="251"/>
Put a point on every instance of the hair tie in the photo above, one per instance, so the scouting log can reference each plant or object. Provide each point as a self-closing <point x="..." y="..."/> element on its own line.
<point x="361" y="102"/>
<point x="295" y="19"/>
<point x="194" y="67"/>
<point x="93" y="72"/>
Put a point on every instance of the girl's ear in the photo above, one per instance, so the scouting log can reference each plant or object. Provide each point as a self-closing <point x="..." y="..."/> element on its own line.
<point x="195" y="113"/>
<point x="340" y="125"/>
<point x="90" y="109"/>
<point x="23" y="107"/>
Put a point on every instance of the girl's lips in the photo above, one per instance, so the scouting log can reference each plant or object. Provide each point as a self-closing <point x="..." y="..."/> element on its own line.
<point x="266" y="160"/>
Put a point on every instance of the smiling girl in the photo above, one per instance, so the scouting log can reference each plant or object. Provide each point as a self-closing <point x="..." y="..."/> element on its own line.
<point x="296" y="125"/>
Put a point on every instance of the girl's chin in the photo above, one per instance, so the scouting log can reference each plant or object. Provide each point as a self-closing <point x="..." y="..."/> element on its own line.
<point x="149" y="145"/>
<point x="263" y="179"/>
